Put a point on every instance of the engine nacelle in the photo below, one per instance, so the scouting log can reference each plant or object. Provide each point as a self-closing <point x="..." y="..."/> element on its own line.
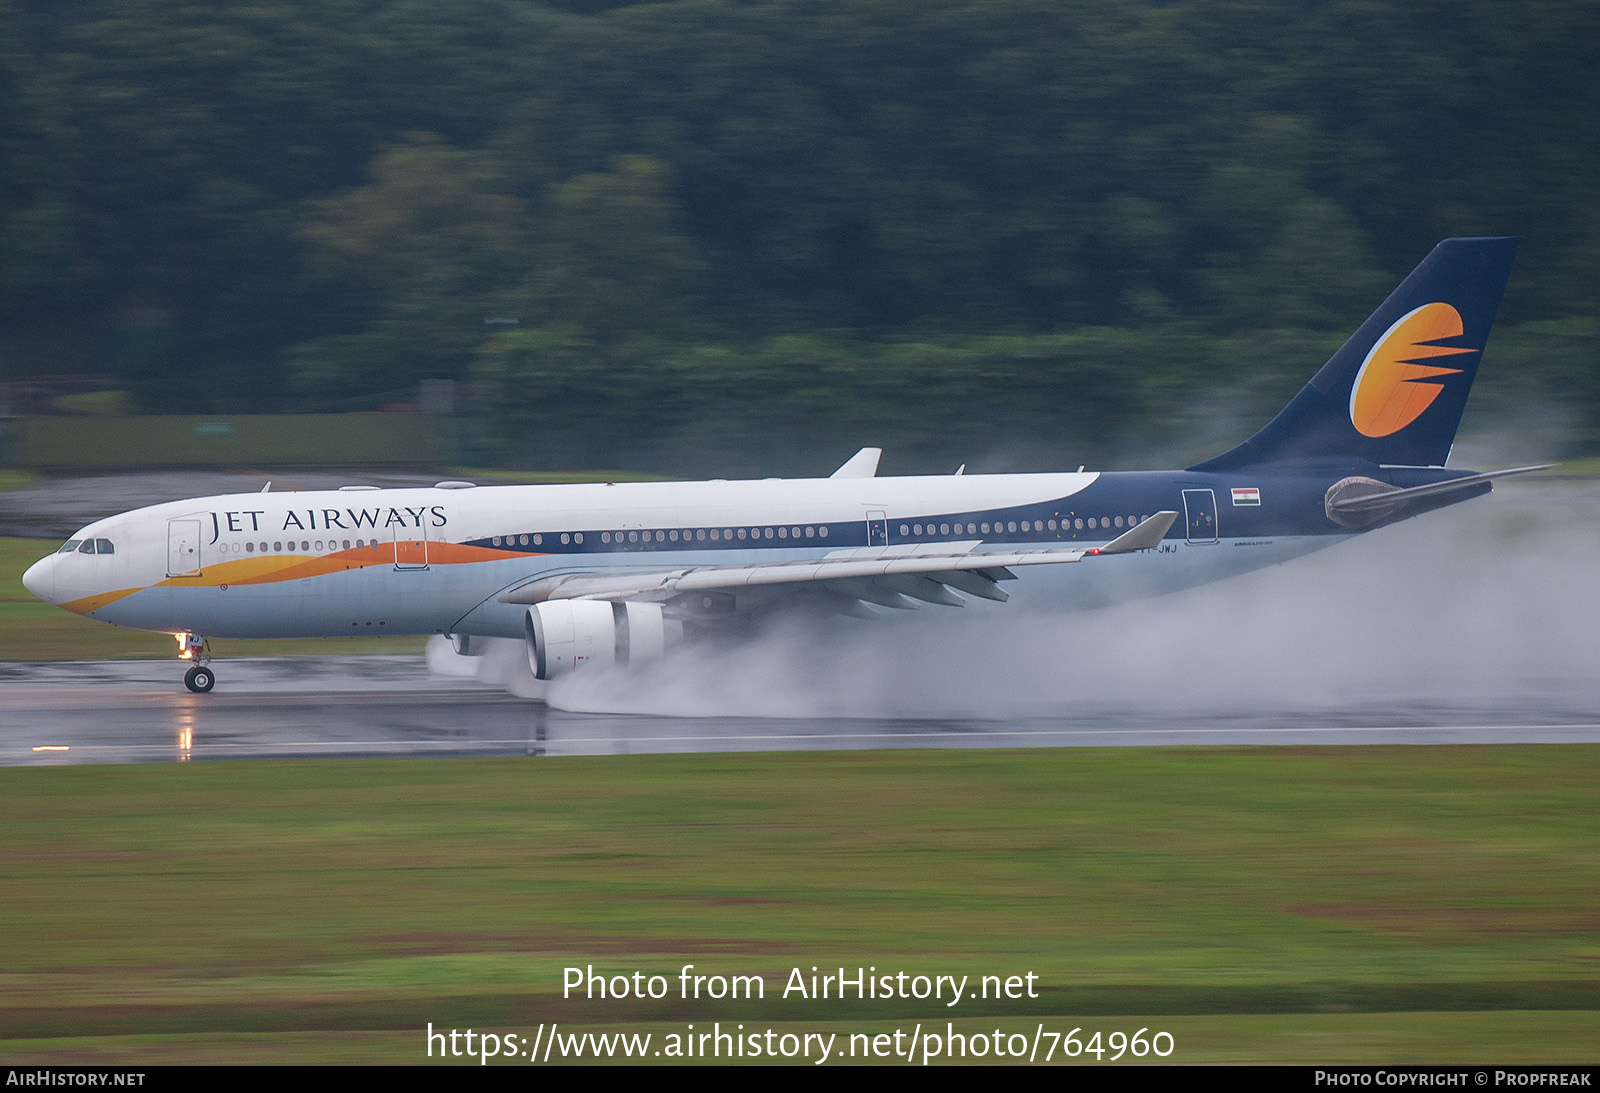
<point x="563" y="635"/>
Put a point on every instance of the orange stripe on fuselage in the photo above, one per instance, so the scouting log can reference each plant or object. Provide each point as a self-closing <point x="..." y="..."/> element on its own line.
<point x="94" y="603"/>
<point x="293" y="567"/>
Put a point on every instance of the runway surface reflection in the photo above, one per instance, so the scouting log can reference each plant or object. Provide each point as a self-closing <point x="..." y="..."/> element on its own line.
<point x="294" y="707"/>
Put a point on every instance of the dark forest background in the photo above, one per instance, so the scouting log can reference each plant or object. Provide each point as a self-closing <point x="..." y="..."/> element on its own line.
<point x="675" y="231"/>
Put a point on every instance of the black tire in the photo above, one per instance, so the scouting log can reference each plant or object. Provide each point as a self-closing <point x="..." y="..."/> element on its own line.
<point x="200" y="679"/>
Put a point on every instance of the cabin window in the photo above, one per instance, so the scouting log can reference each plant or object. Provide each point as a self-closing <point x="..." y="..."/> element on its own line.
<point x="811" y="533"/>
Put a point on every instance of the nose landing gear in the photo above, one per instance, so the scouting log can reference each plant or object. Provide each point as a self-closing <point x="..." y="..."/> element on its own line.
<point x="200" y="678"/>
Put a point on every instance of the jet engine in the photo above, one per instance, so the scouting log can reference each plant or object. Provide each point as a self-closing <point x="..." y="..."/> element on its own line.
<point x="564" y="634"/>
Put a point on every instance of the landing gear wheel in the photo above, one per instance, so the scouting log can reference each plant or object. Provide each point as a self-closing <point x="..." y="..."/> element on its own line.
<point x="200" y="679"/>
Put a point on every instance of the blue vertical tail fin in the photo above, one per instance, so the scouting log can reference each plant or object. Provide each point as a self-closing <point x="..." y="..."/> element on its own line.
<point x="1393" y="394"/>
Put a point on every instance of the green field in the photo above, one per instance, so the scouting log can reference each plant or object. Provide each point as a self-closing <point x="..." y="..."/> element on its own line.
<point x="1373" y="904"/>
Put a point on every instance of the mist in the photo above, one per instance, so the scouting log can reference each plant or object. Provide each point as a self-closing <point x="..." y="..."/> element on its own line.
<point x="1493" y="605"/>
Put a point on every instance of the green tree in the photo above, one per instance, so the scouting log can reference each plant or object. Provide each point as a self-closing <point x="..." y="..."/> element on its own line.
<point x="433" y="245"/>
<point x="611" y="259"/>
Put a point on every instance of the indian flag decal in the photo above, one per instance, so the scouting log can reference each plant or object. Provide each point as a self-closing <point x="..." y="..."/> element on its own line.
<point x="1246" y="495"/>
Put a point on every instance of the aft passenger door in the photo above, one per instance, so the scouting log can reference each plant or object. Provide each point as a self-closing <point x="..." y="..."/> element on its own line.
<point x="1200" y="510"/>
<point x="877" y="528"/>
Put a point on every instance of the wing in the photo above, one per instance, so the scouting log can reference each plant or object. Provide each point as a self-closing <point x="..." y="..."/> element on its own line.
<point x="886" y="576"/>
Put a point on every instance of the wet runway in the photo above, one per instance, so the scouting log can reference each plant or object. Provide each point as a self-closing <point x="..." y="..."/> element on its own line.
<point x="139" y="712"/>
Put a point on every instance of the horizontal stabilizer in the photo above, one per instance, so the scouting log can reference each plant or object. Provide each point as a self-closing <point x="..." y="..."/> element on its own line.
<point x="1386" y="500"/>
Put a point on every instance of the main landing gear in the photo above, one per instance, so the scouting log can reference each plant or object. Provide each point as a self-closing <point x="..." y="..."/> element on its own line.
<point x="200" y="678"/>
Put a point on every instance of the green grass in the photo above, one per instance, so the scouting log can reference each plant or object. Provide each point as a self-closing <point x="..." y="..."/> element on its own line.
<point x="101" y="403"/>
<point x="1298" y="905"/>
<point x="16" y="479"/>
<point x="1589" y="466"/>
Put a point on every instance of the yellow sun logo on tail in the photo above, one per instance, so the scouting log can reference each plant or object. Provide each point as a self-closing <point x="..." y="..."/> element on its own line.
<point x="1389" y="391"/>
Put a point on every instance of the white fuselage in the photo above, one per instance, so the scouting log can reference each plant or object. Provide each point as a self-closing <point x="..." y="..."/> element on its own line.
<point x="366" y="561"/>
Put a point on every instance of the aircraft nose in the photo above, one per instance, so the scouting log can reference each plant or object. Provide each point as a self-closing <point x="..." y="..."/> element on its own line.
<point x="40" y="579"/>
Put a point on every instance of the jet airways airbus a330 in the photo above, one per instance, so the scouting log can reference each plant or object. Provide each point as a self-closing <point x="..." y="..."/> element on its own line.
<point x="617" y="573"/>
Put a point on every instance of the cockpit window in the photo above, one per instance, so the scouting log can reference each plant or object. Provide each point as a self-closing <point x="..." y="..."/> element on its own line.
<point x="69" y="546"/>
<point x="103" y="546"/>
<point x="87" y="547"/>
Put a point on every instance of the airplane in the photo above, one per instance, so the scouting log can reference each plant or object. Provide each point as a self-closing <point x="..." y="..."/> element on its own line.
<point x="617" y="573"/>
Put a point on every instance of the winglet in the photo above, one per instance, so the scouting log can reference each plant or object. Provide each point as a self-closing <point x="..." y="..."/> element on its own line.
<point x="1141" y="536"/>
<point x="864" y="464"/>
